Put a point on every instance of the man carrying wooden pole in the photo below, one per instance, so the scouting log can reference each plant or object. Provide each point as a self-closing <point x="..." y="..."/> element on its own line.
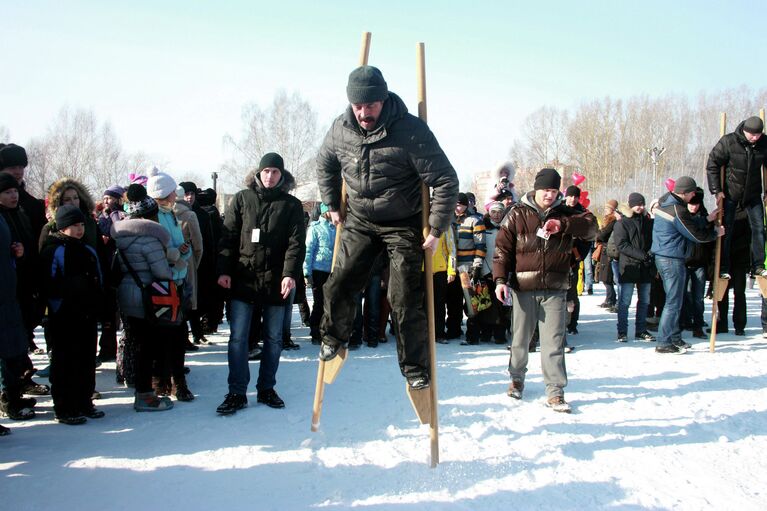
<point x="383" y="153"/>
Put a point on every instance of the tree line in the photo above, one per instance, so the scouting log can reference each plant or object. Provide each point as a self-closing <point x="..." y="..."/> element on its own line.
<point x="610" y="141"/>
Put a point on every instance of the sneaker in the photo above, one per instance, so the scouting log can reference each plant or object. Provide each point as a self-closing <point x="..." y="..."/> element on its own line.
<point x="698" y="333"/>
<point x="681" y="344"/>
<point x="270" y="399"/>
<point x="418" y="382"/>
<point x="670" y="349"/>
<point x="761" y="272"/>
<point x="71" y="420"/>
<point x="329" y="351"/>
<point x="150" y="402"/>
<point x="645" y="336"/>
<point x="515" y="389"/>
<point x="725" y="276"/>
<point x="622" y="338"/>
<point x="201" y="340"/>
<point x="288" y="344"/>
<point x="558" y="404"/>
<point x="232" y="403"/>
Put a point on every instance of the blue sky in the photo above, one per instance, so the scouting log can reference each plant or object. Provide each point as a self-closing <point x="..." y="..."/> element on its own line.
<point x="172" y="76"/>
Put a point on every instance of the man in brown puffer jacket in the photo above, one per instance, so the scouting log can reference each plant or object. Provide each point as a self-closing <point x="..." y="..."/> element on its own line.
<point x="532" y="265"/>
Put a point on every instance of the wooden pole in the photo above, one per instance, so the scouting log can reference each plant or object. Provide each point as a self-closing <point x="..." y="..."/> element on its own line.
<point x="322" y="377"/>
<point x="428" y="273"/>
<point x="718" y="253"/>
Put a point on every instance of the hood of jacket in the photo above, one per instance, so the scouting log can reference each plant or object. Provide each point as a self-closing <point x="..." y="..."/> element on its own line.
<point x="140" y="227"/>
<point x="528" y="199"/>
<point x="57" y="189"/>
<point x="286" y="184"/>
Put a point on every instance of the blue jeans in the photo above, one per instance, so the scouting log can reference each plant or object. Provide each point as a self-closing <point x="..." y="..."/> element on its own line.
<point x="616" y="279"/>
<point x="588" y="272"/>
<point x="240" y="314"/>
<point x="755" y="213"/>
<point x="288" y="313"/>
<point x="673" y="274"/>
<point x="695" y="289"/>
<point x="626" y="293"/>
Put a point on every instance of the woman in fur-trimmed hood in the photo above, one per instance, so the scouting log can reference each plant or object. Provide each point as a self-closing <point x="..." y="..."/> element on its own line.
<point x="69" y="191"/>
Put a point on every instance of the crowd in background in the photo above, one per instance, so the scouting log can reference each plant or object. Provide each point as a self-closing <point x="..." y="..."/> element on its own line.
<point x="78" y="266"/>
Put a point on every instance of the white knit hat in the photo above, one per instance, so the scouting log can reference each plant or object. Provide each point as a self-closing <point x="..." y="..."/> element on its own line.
<point x="160" y="184"/>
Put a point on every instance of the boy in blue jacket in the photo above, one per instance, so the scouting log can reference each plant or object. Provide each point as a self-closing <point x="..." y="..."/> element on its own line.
<point x="72" y="286"/>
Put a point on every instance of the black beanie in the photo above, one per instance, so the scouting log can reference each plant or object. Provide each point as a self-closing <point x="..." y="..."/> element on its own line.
<point x="67" y="215"/>
<point x="271" y="160"/>
<point x="753" y="125"/>
<point x="189" y="187"/>
<point x="13" y="155"/>
<point x="463" y="199"/>
<point x="547" y="179"/>
<point x="573" y="191"/>
<point x="7" y="182"/>
<point x="636" y="199"/>
<point x="685" y="184"/>
<point x="366" y="85"/>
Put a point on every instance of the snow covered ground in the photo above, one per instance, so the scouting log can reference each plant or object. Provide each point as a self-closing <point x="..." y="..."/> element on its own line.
<point x="647" y="431"/>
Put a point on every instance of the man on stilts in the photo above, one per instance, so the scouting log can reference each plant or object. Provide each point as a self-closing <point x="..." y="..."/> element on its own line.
<point x="383" y="154"/>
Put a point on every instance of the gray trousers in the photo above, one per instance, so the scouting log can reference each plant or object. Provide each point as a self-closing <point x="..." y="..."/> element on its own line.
<point x="546" y="309"/>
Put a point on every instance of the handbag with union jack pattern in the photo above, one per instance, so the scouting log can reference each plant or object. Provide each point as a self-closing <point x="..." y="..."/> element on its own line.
<point x="162" y="299"/>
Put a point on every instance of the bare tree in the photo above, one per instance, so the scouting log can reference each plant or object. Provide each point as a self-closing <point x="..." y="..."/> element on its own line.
<point x="288" y="126"/>
<point x="76" y="145"/>
<point x="608" y="140"/>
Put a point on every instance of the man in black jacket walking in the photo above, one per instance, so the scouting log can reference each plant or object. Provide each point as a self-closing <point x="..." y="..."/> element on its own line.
<point x="633" y="239"/>
<point x="742" y="153"/>
<point x="383" y="153"/>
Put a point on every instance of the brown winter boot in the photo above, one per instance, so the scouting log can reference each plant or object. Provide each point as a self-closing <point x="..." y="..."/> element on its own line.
<point x="161" y="385"/>
<point x="181" y="391"/>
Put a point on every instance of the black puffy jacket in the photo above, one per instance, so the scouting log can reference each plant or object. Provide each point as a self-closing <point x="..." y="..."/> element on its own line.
<point x="383" y="168"/>
<point x="633" y="238"/>
<point x="743" y="167"/>
<point x="257" y="268"/>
